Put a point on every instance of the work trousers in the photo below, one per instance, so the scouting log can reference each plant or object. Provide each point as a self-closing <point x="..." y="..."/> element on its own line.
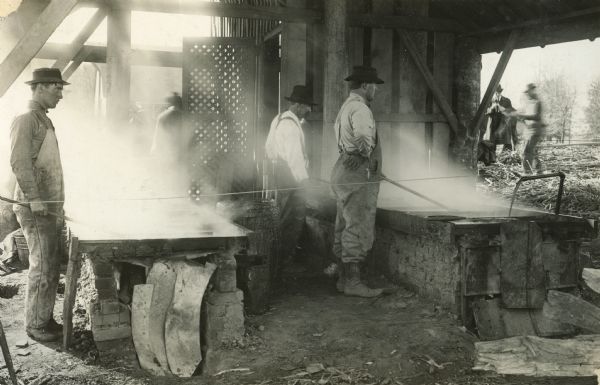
<point x="292" y="206"/>
<point x="531" y="160"/>
<point x="41" y="234"/>
<point x="356" y="198"/>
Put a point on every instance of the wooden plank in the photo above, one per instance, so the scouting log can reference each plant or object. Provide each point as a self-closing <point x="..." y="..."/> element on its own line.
<point x="494" y="81"/>
<point x="77" y="61"/>
<point x="77" y="44"/>
<point x="182" y="325"/>
<point x="72" y="275"/>
<point x="443" y="72"/>
<point x="536" y="356"/>
<point x="433" y="86"/>
<point x="522" y="280"/>
<point x="418" y="23"/>
<point x="560" y="262"/>
<point x="140" y="319"/>
<point x="567" y="308"/>
<point x="32" y="41"/>
<point x="592" y="278"/>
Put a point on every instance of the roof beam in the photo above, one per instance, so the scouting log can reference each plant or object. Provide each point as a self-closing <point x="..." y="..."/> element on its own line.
<point x="543" y="35"/>
<point x="438" y="95"/>
<point x="32" y="41"/>
<point x="293" y="15"/>
<point x="537" y="22"/>
<point x="80" y="39"/>
<point x="97" y="54"/>
<point x="494" y="81"/>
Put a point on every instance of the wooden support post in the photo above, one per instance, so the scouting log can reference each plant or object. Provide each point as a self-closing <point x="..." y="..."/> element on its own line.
<point x="32" y="41"/>
<point x="118" y="61"/>
<point x="80" y="39"/>
<point x="293" y="54"/>
<point x="498" y="72"/>
<point x="438" y="95"/>
<point x="336" y="69"/>
<point x="77" y="60"/>
<point x="70" y="290"/>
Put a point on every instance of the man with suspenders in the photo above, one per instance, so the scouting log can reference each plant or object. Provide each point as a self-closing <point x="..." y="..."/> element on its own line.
<point x="285" y="148"/>
<point x="355" y="181"/>
<point x="35" y="161"/>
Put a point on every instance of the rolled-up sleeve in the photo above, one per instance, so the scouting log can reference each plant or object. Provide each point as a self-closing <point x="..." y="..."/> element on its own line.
<point x="21" y="160"/>
<point x="293" y="152"/>
<point x="364" y="130"/>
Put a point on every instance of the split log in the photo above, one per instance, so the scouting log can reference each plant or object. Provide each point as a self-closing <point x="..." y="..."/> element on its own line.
<point x="567" y="308"/>
<point x="536" y="356"/>
<point x="592" y="279"/>
<point x="163" y="277"/>
<point x="140" y="311"/>
<point x="182" y="325"/>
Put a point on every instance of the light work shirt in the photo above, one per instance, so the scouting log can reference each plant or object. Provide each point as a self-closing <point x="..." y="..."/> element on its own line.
<point x="285" y="142"/>
<point x="355" y="127"/>
<point x="27" y="134"/>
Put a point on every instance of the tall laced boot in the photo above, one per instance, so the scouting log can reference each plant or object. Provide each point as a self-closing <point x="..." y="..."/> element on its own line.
<point x="353" y="286"/>
<point x="341" y="281"/>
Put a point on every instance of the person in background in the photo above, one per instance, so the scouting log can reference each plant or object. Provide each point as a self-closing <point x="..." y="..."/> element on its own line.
<point x="168" y="141"/>
<point x="355" y="181"/>
<point x="285" y="149"/>
<point x="502" y="125"/>
<point x="534" y="130"/>
<point x="36" y="164"/>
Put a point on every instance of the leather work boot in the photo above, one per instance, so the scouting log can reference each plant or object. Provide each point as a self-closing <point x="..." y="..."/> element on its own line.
<point x="341" y="281"/>
<point x="353" y="286"/>
<point x="54" y="326"/>
<point x="43" y="334"/>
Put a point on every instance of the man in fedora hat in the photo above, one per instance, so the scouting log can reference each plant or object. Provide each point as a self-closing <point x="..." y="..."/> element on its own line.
<point x="355" y="181"/>
<point x="36" y="164"/>
<point x="502" y="125"/>
<point x="285" y="148"/>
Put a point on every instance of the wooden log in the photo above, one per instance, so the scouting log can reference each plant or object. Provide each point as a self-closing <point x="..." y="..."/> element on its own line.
<point x="592" y="278"/>
<point x="336" y="69"/>
<point x="118" y="62"/>
<point x="72" y="275"/>
<point x="32" y="41"/>
<point x="163" y="277"/>
<point x="522" y="278"/>
<point x="536" y="356"/>
<point x="567" y="308"/>
<point x="140" y="319"/>
<point x="182" y="325"/>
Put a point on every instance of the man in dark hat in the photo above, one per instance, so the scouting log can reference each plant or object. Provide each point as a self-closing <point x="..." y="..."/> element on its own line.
<point x="286" y="150"/>
<point x="35" y="161"/>
<point x="502" y="125"/>
<point x="355" y="181"/>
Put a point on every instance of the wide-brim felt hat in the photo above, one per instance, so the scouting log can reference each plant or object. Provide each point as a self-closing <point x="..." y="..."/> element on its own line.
<point x="47" y="75"/>
<point x="499" y="88"/>
<point x="364" y="74"/>
<point x="301" y="94"/>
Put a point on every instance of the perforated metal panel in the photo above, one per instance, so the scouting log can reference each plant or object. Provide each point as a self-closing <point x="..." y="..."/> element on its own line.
<point x="219" y="94"/>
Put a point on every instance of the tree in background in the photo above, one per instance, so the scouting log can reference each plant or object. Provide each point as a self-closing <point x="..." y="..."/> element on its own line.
<point x="592" y="111"/>
<point x="557" y="95"/>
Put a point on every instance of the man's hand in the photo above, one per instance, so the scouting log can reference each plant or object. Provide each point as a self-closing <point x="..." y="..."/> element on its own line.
<point x="353" y="161"/>
<point x="38" y="208"/>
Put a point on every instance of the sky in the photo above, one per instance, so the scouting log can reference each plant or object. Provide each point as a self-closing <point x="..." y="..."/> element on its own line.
<point x="577" y="61"/>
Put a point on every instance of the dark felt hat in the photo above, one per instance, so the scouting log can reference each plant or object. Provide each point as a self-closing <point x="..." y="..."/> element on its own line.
<point x="47" y="75"/>
<point x="499" y="88"/>
<point x="364" y="74"/>
<point x="529" y="87"/>
<point x="301" y="94"/>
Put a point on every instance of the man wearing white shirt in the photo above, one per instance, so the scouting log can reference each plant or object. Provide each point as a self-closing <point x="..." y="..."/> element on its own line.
<point x="285" y="148"/>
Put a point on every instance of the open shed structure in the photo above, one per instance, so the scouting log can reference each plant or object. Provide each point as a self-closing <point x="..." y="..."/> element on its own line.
<point x="427" y="51"/>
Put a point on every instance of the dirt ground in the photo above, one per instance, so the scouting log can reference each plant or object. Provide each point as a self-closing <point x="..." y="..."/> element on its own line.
<point x="312" y="334"/>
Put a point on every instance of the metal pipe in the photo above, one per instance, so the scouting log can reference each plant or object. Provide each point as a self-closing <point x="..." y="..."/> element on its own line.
<point x="64" y="217"/>
<point x="561" y="184"/>
<point x="385" y="178"/>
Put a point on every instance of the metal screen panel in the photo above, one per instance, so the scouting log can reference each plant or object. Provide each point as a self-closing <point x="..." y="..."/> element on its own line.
<point x="219" y="92"/>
